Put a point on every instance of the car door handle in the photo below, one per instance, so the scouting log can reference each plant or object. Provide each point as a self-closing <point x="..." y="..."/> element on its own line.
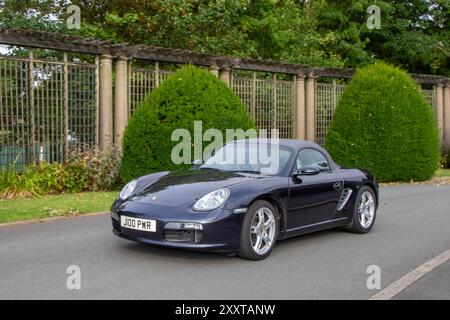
<point x="337" y="185"/>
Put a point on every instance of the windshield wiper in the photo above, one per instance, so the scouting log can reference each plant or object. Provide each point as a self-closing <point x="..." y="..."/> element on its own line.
<point x="241" y="171"/>
<point x="212" y="168"/>
<point x="248" y="171"/>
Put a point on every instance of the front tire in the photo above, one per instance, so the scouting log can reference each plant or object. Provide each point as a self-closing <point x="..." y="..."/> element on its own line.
<point x="365" y="210"/>
<point x="260" y="230"/>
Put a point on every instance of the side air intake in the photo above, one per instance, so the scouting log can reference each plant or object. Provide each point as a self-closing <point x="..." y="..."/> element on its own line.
<point x="345" y="195"/>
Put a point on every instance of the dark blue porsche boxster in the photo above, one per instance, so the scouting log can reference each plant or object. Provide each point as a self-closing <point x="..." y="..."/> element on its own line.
<point x="241" y="206"/>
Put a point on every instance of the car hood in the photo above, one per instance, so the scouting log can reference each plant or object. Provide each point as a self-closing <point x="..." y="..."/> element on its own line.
<point x="181" y="187"/>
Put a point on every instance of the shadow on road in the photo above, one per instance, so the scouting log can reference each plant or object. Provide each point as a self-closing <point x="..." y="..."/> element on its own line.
<point x="282" y="247"/>
<point x="153" y="250"/>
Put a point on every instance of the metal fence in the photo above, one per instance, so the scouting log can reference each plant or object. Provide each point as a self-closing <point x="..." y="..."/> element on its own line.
<point x="270" y="102"/>
<point x="46" y="107"/>
<point x="430" y="96"/>
<point x="141" y="82"/>
<point x="82" y="105"/>
<point x="327" y="98"/>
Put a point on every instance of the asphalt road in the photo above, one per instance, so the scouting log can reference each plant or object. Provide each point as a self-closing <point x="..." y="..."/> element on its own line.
<point x="413" y="226"/>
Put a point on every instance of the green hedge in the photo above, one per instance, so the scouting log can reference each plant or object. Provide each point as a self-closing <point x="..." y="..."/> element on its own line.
<point x="189" y="95"/>
<point x="384" y="124"/>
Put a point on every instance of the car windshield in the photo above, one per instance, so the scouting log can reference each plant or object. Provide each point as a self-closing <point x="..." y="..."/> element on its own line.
<point x="261" y="158"/>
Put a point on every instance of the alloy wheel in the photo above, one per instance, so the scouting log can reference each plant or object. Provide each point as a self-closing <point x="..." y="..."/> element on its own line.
<point x="366" y="209"/>
<point x="262" y="230"/>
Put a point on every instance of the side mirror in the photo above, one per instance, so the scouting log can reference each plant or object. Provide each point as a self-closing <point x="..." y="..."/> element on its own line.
<point x="310" y="170"/>
<point x="307" y="171"/>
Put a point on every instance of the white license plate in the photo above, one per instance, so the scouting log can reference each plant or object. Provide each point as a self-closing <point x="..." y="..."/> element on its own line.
<point x="138" y="224"/>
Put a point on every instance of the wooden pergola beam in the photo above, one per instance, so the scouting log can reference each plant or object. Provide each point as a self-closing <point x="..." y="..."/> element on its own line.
<point x="53" y="41"/>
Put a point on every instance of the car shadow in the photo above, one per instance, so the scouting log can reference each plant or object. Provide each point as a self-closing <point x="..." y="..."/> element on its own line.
<point x="322" y="234"/>
<point x="183" y="254"/>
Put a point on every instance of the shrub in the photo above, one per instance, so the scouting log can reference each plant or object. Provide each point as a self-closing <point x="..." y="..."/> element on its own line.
<point x="101" y="168"/>
<point x="91" y="170"/>
<point x="44" y="178"/>
<point x="385" y="125"/>
<point x="9" y="180"/>
<point x="36" y="179"/>
<point x="189" y="95"/>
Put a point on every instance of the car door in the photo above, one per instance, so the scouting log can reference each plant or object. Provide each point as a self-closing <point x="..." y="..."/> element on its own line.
<point x="312" y="198"/>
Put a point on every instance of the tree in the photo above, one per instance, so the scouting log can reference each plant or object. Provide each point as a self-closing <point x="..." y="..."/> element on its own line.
<point x="414" y="34"/>
<point x="384" y="124"/>
<point x="32" y="14"/>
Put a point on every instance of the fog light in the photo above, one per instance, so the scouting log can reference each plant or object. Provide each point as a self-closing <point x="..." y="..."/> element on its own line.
<point x="183" y="226"/>
<point x="192" y="226"/>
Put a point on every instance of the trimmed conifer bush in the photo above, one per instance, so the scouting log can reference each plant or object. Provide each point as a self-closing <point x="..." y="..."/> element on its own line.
<point x="384" y="124"/>
<point x="191" y="94"/>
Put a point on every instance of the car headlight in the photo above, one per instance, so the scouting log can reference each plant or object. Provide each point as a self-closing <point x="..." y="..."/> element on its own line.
<point x="212" y="200"/>
<point x="128" y="190"/>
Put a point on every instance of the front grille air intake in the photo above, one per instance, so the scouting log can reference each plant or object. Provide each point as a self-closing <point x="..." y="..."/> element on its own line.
<point x="188" y="236"/>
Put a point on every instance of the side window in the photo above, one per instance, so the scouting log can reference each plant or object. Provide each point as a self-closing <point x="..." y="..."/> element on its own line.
<point x="311" y="157"/>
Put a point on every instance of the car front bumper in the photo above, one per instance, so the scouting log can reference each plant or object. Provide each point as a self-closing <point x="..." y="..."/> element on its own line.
<point x="221" y="229"/>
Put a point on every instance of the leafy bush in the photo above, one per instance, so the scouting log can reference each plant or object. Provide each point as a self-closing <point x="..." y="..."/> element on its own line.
<point x="91" y="170"/>
<point x="385" y="125"/>
<point x="8" y="182"/>
<point x="189" y="95"/>
<point x="36" y="179"/>
<point x="101" y="168"/>
<point x="46" y="178"/>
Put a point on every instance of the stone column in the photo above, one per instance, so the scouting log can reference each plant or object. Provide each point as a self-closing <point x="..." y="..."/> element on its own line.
<point x="120" y="101"/>
<point x="300" y="123"/>
<point x="225" y="76"/>
<point x="440" y="111"/>
<point x="214" y="69"/>
<point x="310" y="122"/>
<point x="105" y="107"/>
<point x="446" y="117"/>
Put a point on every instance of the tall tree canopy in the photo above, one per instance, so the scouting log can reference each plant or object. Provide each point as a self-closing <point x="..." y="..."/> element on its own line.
<point x="414" y="34"/>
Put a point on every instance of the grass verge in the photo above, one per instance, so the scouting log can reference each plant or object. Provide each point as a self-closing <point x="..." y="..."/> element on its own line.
<point x="442" y="173"/>
<point x="55" y="205"/>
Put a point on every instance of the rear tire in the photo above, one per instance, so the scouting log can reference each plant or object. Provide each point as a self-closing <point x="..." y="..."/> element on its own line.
<point x="365" y="211"/>
<point x="260" y="230"/>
